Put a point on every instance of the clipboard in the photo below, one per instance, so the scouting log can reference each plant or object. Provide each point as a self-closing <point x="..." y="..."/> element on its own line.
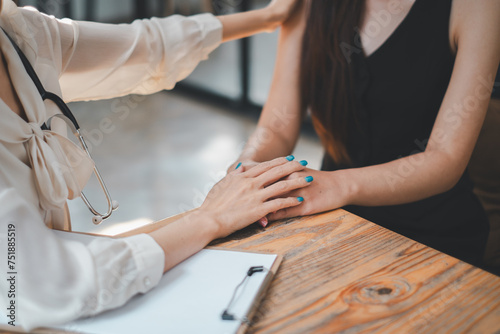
<point x="188" y="297"/>
<point x="263" y="288"/>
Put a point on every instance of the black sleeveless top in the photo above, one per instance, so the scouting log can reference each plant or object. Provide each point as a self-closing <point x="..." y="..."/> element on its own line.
<point x="399" y="89"/>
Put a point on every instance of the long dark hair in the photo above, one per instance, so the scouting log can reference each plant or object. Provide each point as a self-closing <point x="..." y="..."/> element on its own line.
<point x="326" y="76"/>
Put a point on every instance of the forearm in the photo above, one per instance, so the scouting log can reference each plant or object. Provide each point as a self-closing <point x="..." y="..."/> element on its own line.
<point x="184" y="237"/>
<point x="245" y="24"/>
<point x="400" y="181"/>
<point x="458" y="122"/>
<point x="279" y="124"/>
<point x="264" y="145"/>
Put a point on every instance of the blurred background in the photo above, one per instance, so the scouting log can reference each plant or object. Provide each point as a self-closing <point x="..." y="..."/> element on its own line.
<point x="162" y="153"/>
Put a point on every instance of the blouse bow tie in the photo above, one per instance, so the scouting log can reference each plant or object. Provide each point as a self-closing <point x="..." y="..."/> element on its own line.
<point x="60" y="168"/>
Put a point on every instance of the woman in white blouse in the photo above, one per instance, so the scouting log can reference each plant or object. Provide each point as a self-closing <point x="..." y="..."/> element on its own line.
<point x="60" y="280"/>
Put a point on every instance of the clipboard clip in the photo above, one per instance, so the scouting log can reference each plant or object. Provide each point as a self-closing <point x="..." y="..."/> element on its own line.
<point x="231" y="317"/>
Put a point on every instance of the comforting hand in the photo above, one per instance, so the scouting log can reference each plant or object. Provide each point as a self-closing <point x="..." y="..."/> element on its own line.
<point x="325" y="193"/>
<point x="244" y="197"/>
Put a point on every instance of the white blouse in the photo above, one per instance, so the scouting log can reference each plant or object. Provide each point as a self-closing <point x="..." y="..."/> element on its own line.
<point x="59" y="280"/>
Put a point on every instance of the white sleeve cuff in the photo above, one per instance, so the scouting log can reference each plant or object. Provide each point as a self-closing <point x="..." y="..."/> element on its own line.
<point x="150" y="260"/>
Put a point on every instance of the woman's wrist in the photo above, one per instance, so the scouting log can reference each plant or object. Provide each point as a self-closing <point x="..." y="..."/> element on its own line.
<point x="345" y="186"/>
<point x="206" y="221"/>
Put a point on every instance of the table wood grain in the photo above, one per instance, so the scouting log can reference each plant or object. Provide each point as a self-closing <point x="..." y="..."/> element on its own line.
<point x="343" y="274"/>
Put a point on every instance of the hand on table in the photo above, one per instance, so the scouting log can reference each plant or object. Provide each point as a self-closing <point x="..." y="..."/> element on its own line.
<point x="245" y="196"/>
<point x="245" y="165"/>
<point x="324" y="194"/>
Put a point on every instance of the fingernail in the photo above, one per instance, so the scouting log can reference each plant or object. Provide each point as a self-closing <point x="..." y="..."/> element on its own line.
<point x="290" y="157"/>
<point x="303" y="163"/>
<point x="263" y="222"/>
<point x="309" y="178"/>
<point x="238" y="165"/>
<point x="300" y="199"/>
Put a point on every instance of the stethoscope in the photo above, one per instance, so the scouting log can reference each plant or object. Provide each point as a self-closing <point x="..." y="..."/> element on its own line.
<point x="70" y="120"/>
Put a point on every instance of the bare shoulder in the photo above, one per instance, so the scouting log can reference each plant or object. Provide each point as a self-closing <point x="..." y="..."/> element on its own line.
<point x="471" y="19"/>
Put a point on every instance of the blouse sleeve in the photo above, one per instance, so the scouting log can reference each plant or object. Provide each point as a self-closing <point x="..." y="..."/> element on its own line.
<point x="98" y="60"/>
<point x="59" y="280"/>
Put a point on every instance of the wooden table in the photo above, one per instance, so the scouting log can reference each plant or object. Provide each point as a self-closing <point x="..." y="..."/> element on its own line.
<point x="343" y="274"/>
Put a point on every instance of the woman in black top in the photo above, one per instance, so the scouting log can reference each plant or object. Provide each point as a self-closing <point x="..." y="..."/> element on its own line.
<point x="398" y="91"/>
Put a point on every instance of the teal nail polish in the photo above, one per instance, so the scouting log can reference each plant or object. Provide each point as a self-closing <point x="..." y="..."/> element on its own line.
<point x="309" y="178"/>
<point x="300" y="199"/>
<point x="290" y="157"/>
<point x="303" y="163"/>
<point x="238" y="166"/>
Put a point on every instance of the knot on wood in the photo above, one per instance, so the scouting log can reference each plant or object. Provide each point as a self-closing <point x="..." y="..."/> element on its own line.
<point x="376" y="291"/>
<point x="384" y="291"/>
